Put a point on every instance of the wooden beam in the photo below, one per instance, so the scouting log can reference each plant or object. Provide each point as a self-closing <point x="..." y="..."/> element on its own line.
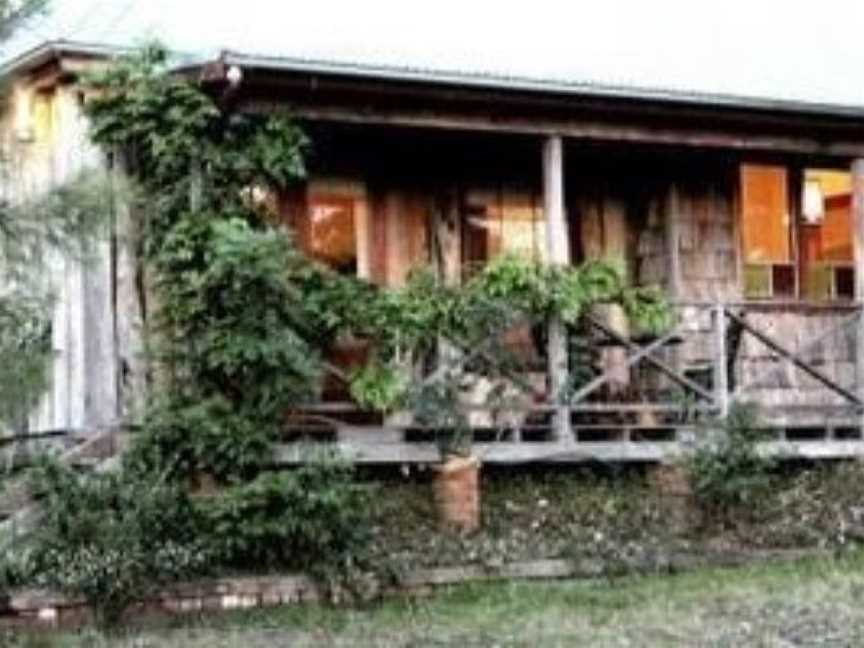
<point x="557" y="240"/>
<point x="858" y="255"/>
<point x="720" y="360"/>
<point x="498" y="453"/>
<point x="671" y="372"/>
<point x="629" y="361"/>
<point x="558" y="253"/>
<point x="858" y="225"/>
<point x="673" y="246"/>
<point x="579" y="452"/>
<point x="586" y="130"/>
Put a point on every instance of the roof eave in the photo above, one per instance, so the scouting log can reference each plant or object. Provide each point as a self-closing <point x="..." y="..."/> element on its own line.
<point x="539" y="86"/>
<point x="51" y="50"/>
<point x="59" y="48"/>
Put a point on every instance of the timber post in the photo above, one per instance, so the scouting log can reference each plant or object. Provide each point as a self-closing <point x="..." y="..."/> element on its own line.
<point x="857" y="171"/>
<point x="558" y="253"/>
<point x="721" y="364"/>
<point x="673" y="250"/>
<point x="672" y="243"/>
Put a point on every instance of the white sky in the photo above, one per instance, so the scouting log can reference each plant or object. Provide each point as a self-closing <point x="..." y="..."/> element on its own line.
<point x="771" y="48"/>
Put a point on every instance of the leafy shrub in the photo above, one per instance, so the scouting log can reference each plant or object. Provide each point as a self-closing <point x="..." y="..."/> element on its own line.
<point x="231" y="347"/>
<point x="377" y="387"/>
<point x="229" y="332"/>
<point x="313" y="518"/>
<point x="184" y="438"/>
<point x="25" y="351"/>
<point x="729" y="472"/>
<point x="111" y="538"/>
<point x="231" y="321"/>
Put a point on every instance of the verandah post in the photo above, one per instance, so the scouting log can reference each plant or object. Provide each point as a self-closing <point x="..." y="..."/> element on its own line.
<point x="558" y="253"/>
<point x="721" y="382"/>
<point x="858" y="252"/>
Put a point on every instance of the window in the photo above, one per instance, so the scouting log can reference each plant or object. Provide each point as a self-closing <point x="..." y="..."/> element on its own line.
<point x="796" y="231"/>
<point x="325" y="216"/>
<point x="329" y="234"/>
<point x="827" y="270"/>
<point x="502" y="220"/>
<point x="766" y="232"/>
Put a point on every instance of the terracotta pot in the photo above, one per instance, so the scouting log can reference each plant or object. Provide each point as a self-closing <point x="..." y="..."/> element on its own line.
<point x="457" y="492"/>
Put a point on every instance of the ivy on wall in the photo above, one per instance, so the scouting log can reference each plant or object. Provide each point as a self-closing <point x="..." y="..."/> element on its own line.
<point x="244" y="317"/>
<point x="229" y="349"/>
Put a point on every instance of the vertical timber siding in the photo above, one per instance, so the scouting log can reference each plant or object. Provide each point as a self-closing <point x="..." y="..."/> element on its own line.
<point x="84" y="381"/>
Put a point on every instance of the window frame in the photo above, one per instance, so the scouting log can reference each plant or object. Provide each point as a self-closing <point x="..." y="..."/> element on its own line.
<point x="795" y="177"/>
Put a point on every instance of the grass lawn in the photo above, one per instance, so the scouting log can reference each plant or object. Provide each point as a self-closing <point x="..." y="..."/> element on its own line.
<point x="808" y="603"/>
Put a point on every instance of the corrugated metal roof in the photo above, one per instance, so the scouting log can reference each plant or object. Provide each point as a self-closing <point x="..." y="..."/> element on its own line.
<point x="738" y="53"/>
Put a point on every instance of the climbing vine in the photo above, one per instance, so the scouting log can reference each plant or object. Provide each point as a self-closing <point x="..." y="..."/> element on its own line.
<point x="244" y="317"/>
<point x="241" y="320"/>
<point x="228" y="351"/>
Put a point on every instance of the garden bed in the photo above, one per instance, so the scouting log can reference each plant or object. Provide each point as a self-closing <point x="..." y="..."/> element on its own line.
<point x="540" y="524"/>
<point x="618" y="517"/>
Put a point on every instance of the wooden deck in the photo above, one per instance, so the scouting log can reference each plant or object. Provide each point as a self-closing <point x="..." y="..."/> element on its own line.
<point x="606" y="444"/>
<point x="800" y="365"/>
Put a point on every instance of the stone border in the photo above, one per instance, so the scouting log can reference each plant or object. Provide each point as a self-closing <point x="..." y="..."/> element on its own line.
<point x="39" y="608"/>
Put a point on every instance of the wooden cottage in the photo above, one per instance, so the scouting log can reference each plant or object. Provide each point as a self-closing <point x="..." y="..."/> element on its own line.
<point x="749" y="211"/>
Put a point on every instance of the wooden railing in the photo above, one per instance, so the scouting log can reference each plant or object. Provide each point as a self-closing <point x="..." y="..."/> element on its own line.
<point x="716" y="355"/>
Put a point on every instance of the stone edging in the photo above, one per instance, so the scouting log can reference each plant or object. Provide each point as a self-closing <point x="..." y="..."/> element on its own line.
<point x="42" y="608"/>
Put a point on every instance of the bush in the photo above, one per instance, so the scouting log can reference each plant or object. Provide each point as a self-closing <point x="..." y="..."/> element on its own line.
<point x="234" y="361"/>
<point x="111" y="538"/>
<point x="183" y="438"/>
<point x="729" y="472"/>
<point x="314" y="518"/>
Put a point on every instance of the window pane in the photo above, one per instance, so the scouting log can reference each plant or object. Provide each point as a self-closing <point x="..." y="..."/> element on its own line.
<point x="826" y="234"/>
<point x="834" y="191"/>
<point x="329" y="233"/>
<point x="783" y="280"/>
<point x="501" y="221"/>
<point x="844" y="283"/>
<point x="765" y="214"/>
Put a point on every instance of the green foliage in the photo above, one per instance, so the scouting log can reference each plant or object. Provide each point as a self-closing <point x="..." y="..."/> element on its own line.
<point x="68" y="219"/>
<point x="241" y="318"/>
<point x="232" y="314"/>
<point x="377" y="387"/>
<point x="183" y="438"/>
<point x="438" y="405"/>
<point x="409" y="323"/>
<point x="229" y="317"/>
<point x="176" y="141"/>
<point x="232" y="323"/>
<point x="522" y="284"/>
<point x="729" y="473"/>
<point x="111" y="538"/>
<point x="25" y="353"/>
<point x="510" y="288"/>
<point x="313" y="518"/>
